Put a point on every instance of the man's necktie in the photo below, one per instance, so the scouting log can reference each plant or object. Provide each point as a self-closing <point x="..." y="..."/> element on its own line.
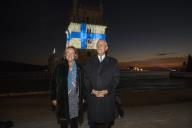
<point x="100" y="58"/>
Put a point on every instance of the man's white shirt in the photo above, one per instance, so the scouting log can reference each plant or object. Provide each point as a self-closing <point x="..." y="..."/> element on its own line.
<point x="101" y="58"/>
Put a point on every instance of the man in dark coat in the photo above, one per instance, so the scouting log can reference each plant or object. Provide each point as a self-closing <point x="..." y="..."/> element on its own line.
<point x="101" y="79"/>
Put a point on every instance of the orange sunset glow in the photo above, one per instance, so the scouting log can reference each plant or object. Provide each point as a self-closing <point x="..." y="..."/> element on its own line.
<point x="169" y="62"/>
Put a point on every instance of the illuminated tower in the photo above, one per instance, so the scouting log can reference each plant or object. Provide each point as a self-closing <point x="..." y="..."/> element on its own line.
<point x="86" y="27"/>
<point x="87" y="11"/>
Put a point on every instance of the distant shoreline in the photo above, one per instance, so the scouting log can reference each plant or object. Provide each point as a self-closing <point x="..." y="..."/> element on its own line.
<point x="177" y="74"/>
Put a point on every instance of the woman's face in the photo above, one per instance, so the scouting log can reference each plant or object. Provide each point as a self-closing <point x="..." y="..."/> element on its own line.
<point x="70" y="54"/>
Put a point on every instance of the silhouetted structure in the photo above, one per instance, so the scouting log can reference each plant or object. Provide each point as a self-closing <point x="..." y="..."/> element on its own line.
<point x="189" y="64"/>
<point x="52" y="61"/>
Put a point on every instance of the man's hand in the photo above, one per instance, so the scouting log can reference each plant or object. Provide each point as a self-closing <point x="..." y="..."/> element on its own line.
<point x="104" y="92"/>
<point x="99" y="93"/>
<point x="94" y="92"/>
<point x="54" y="102"/>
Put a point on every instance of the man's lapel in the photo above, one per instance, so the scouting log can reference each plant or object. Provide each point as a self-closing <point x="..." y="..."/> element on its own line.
<point x="105" y="64"/>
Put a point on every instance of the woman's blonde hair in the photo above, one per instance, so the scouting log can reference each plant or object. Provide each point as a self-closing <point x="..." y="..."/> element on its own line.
<point x="75" y="50"/>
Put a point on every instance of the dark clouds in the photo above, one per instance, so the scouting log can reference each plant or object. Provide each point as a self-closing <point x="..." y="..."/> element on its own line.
<point x="136" y="29"/>
<point x="165" y="54"/>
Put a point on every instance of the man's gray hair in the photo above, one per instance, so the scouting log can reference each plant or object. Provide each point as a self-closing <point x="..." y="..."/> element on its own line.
<point x="103" y="41"/>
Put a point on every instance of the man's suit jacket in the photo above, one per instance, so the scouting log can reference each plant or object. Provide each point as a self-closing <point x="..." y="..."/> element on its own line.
<point x="101" y="76"/>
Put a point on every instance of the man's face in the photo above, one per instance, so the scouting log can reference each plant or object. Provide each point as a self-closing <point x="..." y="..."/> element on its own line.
<point x="101" y="47"/>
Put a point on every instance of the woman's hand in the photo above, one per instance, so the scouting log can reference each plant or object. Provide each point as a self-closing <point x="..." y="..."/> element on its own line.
<point x="54" y="102"/>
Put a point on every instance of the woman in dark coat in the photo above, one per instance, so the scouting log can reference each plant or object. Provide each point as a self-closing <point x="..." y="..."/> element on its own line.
<point x="66" y="90"/>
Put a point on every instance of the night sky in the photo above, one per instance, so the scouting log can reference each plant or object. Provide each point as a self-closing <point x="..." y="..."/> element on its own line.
<point x="138" y="31"/>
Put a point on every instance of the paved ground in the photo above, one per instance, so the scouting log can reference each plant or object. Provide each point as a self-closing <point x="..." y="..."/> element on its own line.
<point x="35" y="112"/>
